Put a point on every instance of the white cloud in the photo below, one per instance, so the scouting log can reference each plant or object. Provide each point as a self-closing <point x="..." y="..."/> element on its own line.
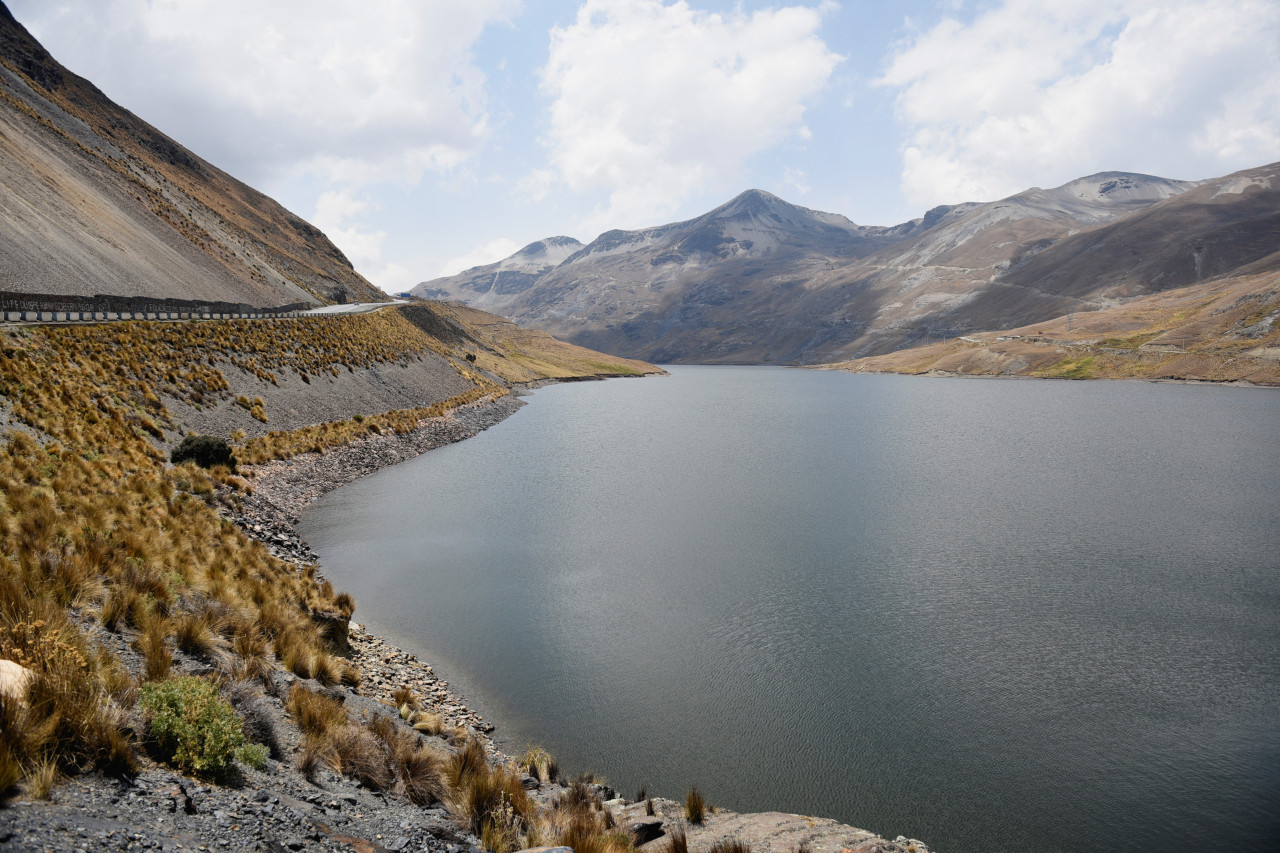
<point x="1034" y="93"/>
<point x="486" y="253"/>
<point x="337" y="214"/>
<point x="653" y="103"/>
<point x="352" y="92"/>
<point x="797" y="180"/>
<point x="535" y="185"/>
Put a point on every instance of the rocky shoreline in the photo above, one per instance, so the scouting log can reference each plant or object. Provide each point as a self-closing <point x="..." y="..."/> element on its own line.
<point x="282" y="490"/>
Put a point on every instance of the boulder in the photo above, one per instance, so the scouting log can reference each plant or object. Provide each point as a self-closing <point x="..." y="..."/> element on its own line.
<point x="644" y="831"/>
<point x="14" y="678"/>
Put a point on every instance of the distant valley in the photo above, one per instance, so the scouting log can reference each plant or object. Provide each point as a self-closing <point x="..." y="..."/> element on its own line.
<point x="760" y="280"/>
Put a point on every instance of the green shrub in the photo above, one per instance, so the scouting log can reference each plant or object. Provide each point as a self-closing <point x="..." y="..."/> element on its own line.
<point x="254" y="754"/>
<point x="204" y="450"/>
<point x="195" y="729"/>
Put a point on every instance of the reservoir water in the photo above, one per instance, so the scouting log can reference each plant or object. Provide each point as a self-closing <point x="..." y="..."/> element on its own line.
<point x="992" y="615"/>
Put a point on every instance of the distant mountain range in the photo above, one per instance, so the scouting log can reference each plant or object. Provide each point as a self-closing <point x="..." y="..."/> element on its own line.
<point x="760" y="280"/>
<point x="95" y="200"/>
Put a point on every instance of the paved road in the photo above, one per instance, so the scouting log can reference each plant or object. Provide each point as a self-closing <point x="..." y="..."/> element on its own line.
<point x="354" y="308"/>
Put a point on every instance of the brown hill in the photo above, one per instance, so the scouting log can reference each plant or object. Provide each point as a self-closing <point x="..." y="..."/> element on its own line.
<point x="95" y="200"/>
<point x="1226" y="329"/>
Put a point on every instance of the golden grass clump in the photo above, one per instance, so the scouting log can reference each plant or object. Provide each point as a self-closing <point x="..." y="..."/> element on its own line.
<point x="315" y="713"/>
<point x="578" y="820"/>
<point x="428" y="723"/>
<point x="695" y="806"/>
<point x="403" y="697"/>
<point x="540" y="764"/>
<point x="489" y="799"/>
<point x="380" y="754"/>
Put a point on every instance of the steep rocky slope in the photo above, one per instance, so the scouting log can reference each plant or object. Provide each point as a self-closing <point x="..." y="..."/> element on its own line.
<point x="95" y="200"/>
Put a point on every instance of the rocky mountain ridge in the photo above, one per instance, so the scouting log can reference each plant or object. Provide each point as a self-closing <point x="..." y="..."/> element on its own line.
<point x="759" y="280"/>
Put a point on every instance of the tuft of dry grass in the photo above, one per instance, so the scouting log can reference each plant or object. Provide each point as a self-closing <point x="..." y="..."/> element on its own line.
<point x="483" y="795"/>
<point x="730" y="845"/>
<point x="251" y="661"/>
<point x="540" y="764"/>
<point x="42" y="777"/>
<point x="695" y="806"/>
<point x="196" y="634"/>
<point x="315" y="713"/>
<point x="429" y="724"/>
<point x="363" y="757"/>
<point x="420" y="774"/>
<point x="155" y="651"/>
<point x="314" y="753"/>
<point x="403" y="696"/>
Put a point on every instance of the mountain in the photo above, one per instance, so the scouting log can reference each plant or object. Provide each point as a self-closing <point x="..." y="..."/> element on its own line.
<point x="95" y="200"/>
<point x="752" y="236"/>
<point x="494" y="285"/>
<point x="762" y="280"/>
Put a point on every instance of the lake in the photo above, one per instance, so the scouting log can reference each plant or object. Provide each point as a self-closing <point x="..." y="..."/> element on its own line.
<point x="989" y="614"/>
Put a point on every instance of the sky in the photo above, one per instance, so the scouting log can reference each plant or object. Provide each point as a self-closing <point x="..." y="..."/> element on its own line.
<point x="428" y="136"/>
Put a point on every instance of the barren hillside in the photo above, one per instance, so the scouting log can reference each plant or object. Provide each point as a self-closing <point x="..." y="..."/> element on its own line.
<point x="95" y="200"/>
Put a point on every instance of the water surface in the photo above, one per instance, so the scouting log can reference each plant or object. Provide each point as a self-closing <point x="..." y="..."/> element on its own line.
<point x="993" y="615"/>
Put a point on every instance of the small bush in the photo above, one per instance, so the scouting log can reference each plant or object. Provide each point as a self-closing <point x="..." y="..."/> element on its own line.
<point x="195" y="729"/>
<point x="695" y="807"/>
<point x="204" y="450"/>
<point x="254" y="754"/>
